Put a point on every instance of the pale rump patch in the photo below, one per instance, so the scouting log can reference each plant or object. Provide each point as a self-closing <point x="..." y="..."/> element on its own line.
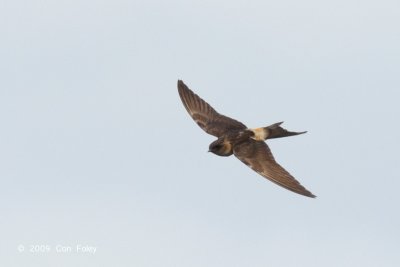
<point x="260" y="134"/>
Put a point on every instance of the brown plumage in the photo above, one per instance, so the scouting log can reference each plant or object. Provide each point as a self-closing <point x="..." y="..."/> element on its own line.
<point x="246" y="144"/>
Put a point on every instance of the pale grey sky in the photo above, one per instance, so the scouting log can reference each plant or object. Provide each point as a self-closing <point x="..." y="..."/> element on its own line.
<point x="97" y="148"/>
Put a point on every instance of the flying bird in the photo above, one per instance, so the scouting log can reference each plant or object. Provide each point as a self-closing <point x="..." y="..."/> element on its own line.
<point x="247" y="144"/>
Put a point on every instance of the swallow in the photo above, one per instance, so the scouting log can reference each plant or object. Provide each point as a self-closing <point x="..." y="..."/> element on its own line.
<point x="247" y="144"/>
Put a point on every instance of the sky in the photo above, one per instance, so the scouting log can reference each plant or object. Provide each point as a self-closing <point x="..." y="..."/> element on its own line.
<point x="102" y="165"/>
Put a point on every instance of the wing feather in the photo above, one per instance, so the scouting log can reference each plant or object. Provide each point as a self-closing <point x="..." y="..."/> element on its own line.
<point x="204" y="115"/>
<point x="258" y="156"/>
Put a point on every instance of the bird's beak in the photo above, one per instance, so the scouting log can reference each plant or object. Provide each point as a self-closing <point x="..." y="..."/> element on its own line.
<point x="209" y="150"/>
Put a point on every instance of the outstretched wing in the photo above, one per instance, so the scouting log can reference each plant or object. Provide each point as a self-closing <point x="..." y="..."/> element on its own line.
<point x="204" y="115"/>
<point x="258" y="156"/>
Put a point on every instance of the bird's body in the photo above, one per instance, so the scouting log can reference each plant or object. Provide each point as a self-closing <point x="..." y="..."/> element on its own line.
<point x="235" y="138"/>
<point x="224" y="145"/>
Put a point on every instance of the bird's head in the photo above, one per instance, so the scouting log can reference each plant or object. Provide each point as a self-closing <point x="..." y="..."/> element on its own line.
<point x="220" y="147"/>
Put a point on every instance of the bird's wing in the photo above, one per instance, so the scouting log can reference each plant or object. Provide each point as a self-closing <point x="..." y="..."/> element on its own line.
<point x="258" y="156"/>
<point x="204" y="115"/>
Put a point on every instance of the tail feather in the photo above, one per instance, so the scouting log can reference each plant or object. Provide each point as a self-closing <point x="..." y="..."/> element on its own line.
<point x="272" y="131"/>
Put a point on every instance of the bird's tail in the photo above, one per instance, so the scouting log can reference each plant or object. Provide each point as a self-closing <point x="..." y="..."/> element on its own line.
<point x="272" y="131"/>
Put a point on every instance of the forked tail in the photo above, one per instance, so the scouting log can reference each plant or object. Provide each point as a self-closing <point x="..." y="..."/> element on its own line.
<point x="272" y="131"/>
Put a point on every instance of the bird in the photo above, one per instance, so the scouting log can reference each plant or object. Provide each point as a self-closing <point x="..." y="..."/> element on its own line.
<point x="247" y="144"/>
